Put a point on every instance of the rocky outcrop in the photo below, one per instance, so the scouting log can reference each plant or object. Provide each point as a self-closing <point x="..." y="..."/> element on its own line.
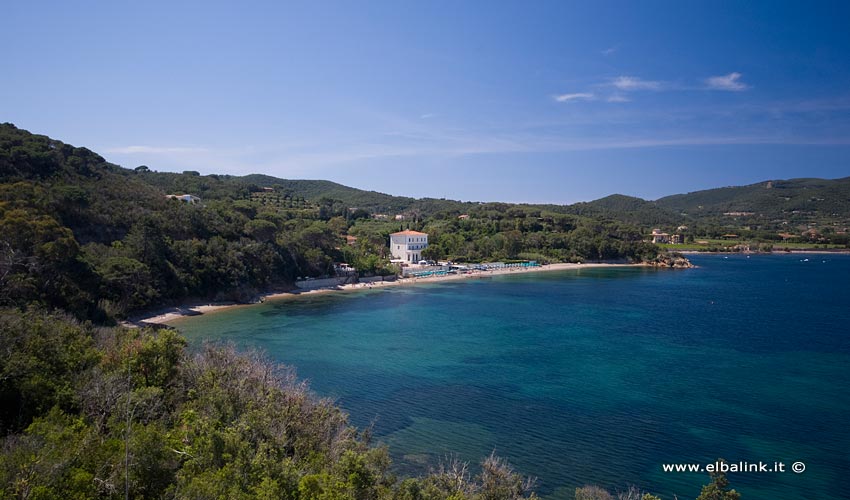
<point x="672" y="261"/>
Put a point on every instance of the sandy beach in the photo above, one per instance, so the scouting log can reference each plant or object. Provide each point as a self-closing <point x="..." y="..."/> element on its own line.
<point x="169" y="314"/>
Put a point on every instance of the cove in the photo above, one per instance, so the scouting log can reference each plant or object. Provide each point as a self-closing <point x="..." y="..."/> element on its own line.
<point x="595" y="376"/>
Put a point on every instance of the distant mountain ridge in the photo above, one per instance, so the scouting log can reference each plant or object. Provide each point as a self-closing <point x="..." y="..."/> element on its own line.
<point x="768" y="197"/>
<point x="792" y="201"/>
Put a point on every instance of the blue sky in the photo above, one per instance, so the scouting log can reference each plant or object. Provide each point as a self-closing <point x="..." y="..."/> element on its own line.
<point x="512" y="101"/>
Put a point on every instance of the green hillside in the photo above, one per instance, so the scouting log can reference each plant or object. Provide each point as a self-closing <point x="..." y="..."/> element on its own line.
<point x="794" y="199"/>
<point x="84" y="235"/>
<point x="629" y="209"/>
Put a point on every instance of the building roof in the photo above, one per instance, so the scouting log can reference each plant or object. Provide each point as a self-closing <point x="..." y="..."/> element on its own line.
<point x="408" y="232"/>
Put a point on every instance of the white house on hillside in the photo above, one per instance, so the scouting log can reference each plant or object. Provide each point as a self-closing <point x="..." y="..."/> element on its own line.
<point x="408" y="245"/>
<point x="188" y="198"/>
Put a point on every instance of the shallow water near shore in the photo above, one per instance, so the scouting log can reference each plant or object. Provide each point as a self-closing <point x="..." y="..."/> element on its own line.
<point x="594" y="376"/>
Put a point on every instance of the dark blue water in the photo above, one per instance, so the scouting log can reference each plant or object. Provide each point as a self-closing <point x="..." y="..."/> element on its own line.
<point x="596" y="376"/>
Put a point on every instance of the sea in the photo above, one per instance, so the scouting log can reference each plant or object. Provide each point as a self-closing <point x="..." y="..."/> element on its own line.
<point x="595" y="376"/>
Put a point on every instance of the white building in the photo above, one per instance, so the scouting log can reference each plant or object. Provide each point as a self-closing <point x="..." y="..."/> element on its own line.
<point x="659" y="237"/>
<point x="188" y="198"/>
<point x="408" y="245"/>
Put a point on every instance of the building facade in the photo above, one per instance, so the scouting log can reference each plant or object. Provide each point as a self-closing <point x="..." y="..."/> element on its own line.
<point x="659" y="237"/>
<point x="408" y="245"/>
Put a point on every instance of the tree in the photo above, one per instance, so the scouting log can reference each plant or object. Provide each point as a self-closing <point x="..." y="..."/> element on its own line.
<point x="592" y="493"/>
<point x="127" y="283"/>
<point x="718" y="488"/>
<point x="261" y="230"/>
<point x="432" y="252"/>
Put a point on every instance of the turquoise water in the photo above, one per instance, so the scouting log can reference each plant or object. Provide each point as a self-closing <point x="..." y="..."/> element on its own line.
<point x="595" y="376"/>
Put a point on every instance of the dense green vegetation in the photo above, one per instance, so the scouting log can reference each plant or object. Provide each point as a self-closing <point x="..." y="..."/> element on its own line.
<point x="101" y="241"/>
<point x="99" y="412"/>
<point x="81" y="234"/>
<point x="775" y="199"/>
<point x="781" y="213"/>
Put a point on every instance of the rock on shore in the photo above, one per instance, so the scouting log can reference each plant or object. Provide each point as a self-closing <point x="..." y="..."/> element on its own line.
<point x="673" y="261"/>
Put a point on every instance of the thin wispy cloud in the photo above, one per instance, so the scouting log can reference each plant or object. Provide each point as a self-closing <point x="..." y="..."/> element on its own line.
<point x="578" y="96"/>
<point x="618" y="98"/>
<point x="631" y="83"/>
<point x="731" y="82"/>
<point x="425" y="116"/>
<point x="129" y="150"/>
<point x="609" y="50"/>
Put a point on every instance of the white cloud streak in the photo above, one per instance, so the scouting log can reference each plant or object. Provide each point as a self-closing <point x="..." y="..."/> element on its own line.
<point x="731" y="82"/>
<point x="631" y="83"/>
<point x="579" y="96"/>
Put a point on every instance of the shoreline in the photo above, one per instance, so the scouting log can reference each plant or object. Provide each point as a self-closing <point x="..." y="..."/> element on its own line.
<point x="166" y="315"/>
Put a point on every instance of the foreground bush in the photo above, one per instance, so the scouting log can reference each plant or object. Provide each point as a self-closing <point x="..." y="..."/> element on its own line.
<point x="127" y="413"/>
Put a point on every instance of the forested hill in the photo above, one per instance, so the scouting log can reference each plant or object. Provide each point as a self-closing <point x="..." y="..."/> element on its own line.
<point x="216" y="187"/>
<point x="98" y="240"/>
<point x="636" y="211"/>
<point x="776" y="198"/>
<point x="372" y="201"/>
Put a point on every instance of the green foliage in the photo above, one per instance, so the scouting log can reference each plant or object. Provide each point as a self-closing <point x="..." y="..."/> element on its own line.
<point x="592" y="493"/>
<point x="43" y="355"/>
<point x="81" y="234"/>
<point x="94" y="412"/>
<point x="718" y="488"/>
<point x="761" y="211"/>
<point x="499" y="232"/>
<point x="627" y="209"/>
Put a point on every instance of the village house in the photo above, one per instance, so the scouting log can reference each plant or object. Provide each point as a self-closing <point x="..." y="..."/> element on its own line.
<point x="659" y="237"/>
<point x="408" y="245"/>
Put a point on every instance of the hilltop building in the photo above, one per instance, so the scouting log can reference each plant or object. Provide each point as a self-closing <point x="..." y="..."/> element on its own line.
<point x="408" y="245"/>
